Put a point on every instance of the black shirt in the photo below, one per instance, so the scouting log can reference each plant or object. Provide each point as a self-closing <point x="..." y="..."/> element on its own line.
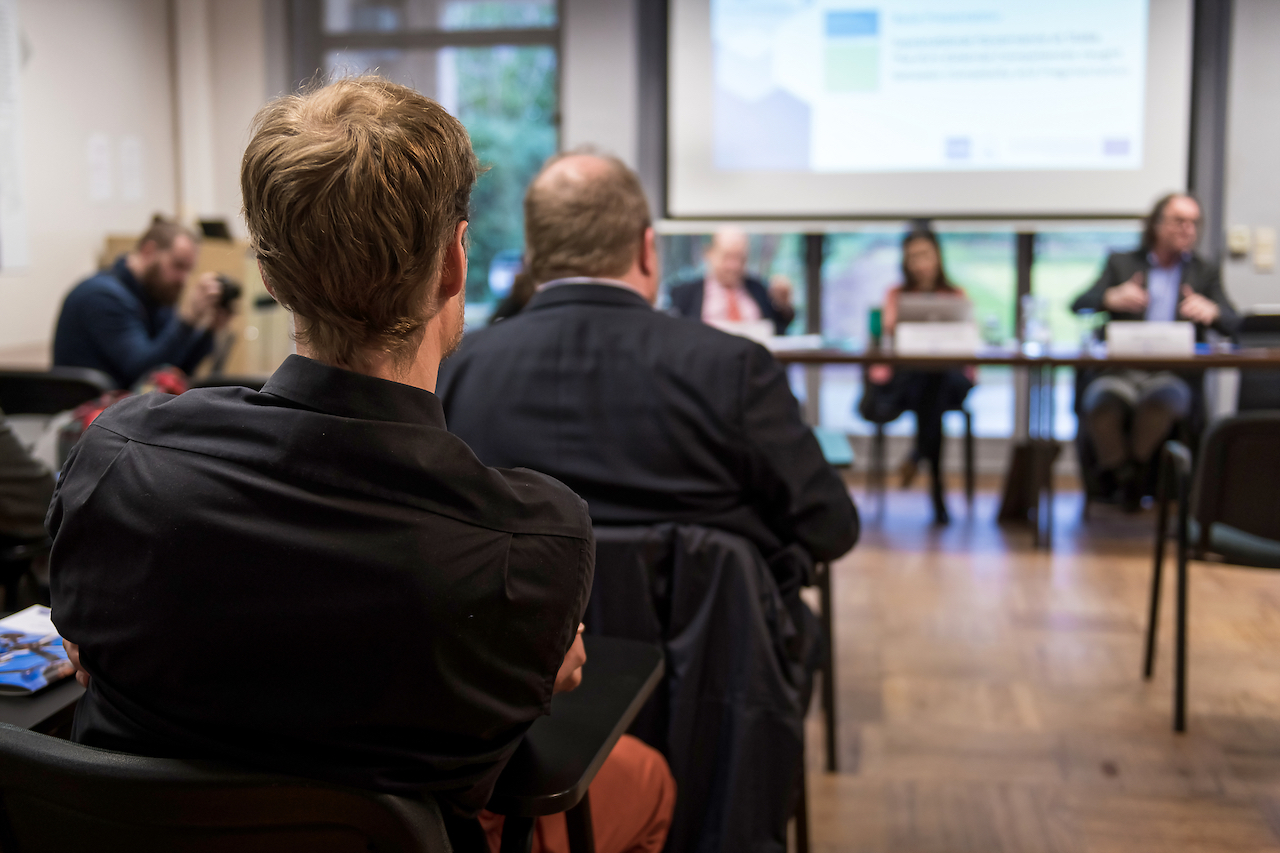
<point x="317" y="579"/>
<point x="649" y="418"/>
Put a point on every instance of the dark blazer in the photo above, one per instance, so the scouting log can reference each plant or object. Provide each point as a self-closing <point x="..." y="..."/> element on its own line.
<point x="1201" y="276"/>
<point x="649" y="418"/>
<point x="686" y="301"/>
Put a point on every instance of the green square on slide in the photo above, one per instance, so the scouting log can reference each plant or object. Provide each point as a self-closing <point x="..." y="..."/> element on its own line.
<point x="852" y="67"/>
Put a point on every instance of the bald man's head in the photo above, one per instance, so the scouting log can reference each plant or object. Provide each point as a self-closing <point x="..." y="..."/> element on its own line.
<point x="584" y="215"/>
<point x="726" y="256"/>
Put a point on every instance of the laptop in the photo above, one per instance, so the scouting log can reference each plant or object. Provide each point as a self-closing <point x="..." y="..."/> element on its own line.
<point x="933" y="308"/>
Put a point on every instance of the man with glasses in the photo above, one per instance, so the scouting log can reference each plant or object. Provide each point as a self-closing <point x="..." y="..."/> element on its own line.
<point x="1127" y="414"/>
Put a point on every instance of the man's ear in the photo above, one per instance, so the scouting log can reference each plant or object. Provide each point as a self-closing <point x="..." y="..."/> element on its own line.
<point x="649" y="253"/>
<point x="453" y="269"/>
<point x="266" y="282"/>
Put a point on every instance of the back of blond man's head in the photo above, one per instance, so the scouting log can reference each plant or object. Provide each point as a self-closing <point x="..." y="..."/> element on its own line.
<point x="585" y="214"/>
<point x="351" y="194"/>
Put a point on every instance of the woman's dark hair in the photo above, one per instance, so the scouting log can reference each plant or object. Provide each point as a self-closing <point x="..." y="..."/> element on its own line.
<point x="1153" y="219"/>
<point x="908" y="282"/>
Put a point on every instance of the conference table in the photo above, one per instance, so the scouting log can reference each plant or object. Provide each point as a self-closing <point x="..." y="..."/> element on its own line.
<point x="1028" y="490"/>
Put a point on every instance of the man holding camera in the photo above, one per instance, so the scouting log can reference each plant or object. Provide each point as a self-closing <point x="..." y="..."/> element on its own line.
<point x="139" y="314"/>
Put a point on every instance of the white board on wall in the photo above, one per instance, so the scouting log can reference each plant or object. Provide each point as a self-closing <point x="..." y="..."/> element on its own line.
<point x="904" y="108"/>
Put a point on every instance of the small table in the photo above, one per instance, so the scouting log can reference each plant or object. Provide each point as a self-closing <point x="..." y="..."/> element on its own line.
<point x="554" y="765"/>
<point x="1035" y="453"/>
<point x="47" y="711"/>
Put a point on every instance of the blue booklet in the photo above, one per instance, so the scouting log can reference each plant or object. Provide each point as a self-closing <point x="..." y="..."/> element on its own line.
<point x="31" y="652"/>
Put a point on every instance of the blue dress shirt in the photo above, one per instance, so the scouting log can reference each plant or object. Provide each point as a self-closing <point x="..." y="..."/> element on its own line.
<point x="1163" y="286"/>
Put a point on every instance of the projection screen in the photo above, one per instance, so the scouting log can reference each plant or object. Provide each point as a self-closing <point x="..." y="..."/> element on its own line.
<point x="926" y="108"/>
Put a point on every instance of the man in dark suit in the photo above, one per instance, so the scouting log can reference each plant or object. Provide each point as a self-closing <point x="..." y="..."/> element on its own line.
<point x="1128" y="413"/>
<point x="727" y="293"/>
<point x="646" y="416"/>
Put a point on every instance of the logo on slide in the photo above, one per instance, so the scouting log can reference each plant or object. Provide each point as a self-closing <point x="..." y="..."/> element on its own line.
<point x="852" y="58"/>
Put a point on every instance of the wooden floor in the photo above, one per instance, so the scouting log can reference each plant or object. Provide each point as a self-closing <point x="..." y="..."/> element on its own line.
<point x="990" y="696"/>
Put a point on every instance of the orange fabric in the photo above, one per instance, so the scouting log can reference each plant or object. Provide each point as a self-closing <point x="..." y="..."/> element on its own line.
<point x="733" y="311"/>
<point x="632" y="798"/>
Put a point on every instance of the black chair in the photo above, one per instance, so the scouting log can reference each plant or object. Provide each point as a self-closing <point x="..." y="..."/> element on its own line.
<point x="1229" y="513"/>
<point x="839" y="455"/>
<point x="729" y="715"/>
<point x="47" y="392"/>
<point x="876" y="469"/>
<point x="1259" y="389"/>
<point x="60" y="796"/>
<point x="17" y="556"/>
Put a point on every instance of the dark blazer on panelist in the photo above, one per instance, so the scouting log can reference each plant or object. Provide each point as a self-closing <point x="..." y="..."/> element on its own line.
<point x="648" y="418"/>
<point x="686" y="301"/>
<point x="1201" y="276"/>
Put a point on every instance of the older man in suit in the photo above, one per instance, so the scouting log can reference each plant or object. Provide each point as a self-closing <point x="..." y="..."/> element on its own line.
<point x="727" y="293"/>
<point x="1128" y="413"/>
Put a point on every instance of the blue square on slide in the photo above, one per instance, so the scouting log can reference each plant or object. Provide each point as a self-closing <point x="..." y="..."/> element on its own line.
<point x="958" y="148"/>
<point x="846" y="23"/>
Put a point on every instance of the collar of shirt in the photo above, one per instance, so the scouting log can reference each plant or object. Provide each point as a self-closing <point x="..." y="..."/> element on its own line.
<point x="120" y="269"/>
<point x="348" y="394"/>
<point x="585" y="279"/>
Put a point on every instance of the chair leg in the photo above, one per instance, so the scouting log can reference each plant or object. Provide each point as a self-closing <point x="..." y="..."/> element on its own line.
<point x="1180" y="627"/>
<point x="582" y="837"/>
<point x="1153" y="607"/>
<point x="802" y="813"/>
<point x="517" y="834"/>
<point x="969" y="474"/>
<point x="829" y="666"/>
<point x="878" y="465"/>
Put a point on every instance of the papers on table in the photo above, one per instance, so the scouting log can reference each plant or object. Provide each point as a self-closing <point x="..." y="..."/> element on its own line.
<point x="1150" y="337"/>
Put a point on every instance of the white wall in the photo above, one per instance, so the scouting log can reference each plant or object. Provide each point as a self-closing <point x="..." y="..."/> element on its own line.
<point x="91" y="66"/>
<point x="1253" y="142"/>
<point x="599" y="80"/>
<point x="239" y="51"/>
<point x="106" y="66"/>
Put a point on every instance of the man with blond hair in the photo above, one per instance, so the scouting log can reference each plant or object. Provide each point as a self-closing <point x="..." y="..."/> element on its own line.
<point x="402" y="613"/>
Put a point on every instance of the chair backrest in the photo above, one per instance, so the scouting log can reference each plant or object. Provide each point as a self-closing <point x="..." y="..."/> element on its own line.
<point x="59" y="796"/>
<point x="1237" y="473"/>
<point x="729" y="713"/>
<point x="1259" y="389"/>
<point x="33" y="392"/>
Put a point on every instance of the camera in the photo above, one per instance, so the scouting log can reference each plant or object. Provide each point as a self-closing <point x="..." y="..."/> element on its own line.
<point x="231" y="291"/>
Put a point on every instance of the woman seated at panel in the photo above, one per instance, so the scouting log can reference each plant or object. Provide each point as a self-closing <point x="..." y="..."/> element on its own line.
<point x="888" y="393"/>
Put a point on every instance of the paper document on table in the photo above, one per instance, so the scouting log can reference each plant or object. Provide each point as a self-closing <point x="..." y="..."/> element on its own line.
<point x="31" y="652"/>
<point x="758" y="330"/>
<point x="1151" y="337"/>
<point x="936" y="339"/>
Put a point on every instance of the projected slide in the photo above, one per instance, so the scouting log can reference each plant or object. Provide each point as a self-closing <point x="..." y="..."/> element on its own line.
<point x="842" y="86"/>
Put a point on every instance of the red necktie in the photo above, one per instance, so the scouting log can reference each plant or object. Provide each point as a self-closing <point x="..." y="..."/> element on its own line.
<point x="732" y="312"/>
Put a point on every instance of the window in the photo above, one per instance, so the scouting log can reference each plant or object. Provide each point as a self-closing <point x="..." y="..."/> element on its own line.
<point x="493" y="64"/>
